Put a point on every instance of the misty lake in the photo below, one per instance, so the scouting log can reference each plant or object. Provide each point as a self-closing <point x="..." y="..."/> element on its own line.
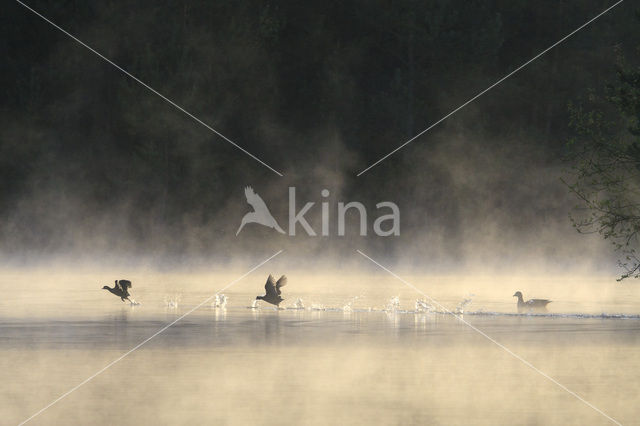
<point x="344" y="350"/>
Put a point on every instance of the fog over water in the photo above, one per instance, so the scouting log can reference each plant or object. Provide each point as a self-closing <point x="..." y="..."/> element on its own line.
<point x="101" y="180"/>
<point x="344" y="349"/>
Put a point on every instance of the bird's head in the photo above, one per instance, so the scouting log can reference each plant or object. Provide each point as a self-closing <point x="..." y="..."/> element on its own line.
<point x="105" y="287"/>
<point x="517" y="294"/>
<point x="258" y="297"/>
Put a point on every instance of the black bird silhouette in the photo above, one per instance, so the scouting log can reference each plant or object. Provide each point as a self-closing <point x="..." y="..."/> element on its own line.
<point x="531" y="304"/>
<point x="121" y="289"/>
<point x="272" y="289"/>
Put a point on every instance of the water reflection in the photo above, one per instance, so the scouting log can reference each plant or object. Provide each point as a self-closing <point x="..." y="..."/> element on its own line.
<point x="387" y="357"/>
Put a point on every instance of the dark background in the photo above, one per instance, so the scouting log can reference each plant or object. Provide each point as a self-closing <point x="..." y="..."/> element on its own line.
<point x="94" y="166"/>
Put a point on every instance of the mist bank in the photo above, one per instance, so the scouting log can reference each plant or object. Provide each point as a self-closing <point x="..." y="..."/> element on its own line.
<point x="96" y="170"/>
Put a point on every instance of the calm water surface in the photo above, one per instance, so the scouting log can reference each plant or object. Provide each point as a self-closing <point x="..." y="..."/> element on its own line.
<point x="351" y="353"/>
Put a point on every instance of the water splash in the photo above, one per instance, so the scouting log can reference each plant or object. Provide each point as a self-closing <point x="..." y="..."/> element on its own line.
<point x="220" y="301"/>
<point x="460" y="308"/>
<point x="348" y="307"/>
<point x="423" y="307"/>
<point x="393" y="305"/>
<point x="298" y="304"/>
<point x="393" y="309"/>
<point x="172" y="301"/>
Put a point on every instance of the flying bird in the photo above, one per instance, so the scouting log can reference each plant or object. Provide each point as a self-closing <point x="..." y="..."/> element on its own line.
<point x="531" y="304"/>
<point x="121" y="289"/>
<point x="272" y="289"/>
<point x="260" y="213"/>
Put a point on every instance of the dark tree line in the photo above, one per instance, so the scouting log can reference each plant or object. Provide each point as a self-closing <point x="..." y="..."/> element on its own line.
<point x="272" y="76"/>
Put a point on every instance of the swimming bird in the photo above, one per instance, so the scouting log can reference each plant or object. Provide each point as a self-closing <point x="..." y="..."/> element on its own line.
<point x="260" y="213"/>
<point x="121" y="289"/>
<point x="273" y="290"/>
<point x="531" y="304"/>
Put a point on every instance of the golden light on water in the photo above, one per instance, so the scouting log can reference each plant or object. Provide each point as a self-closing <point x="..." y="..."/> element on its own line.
<point x="344" y="354"/>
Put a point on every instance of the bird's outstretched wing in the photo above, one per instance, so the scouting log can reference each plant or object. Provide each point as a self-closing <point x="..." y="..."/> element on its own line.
<point x="254" y="200"/>
<point x="124" y="284"/>
<point x="270" y="286"/>
<point x="281" y="283"/>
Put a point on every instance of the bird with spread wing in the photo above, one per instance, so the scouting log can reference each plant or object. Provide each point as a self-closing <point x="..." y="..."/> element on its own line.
<point x="272" y="288"/>
<point x="120" y="289"/>
<point x="260" y="213"/>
